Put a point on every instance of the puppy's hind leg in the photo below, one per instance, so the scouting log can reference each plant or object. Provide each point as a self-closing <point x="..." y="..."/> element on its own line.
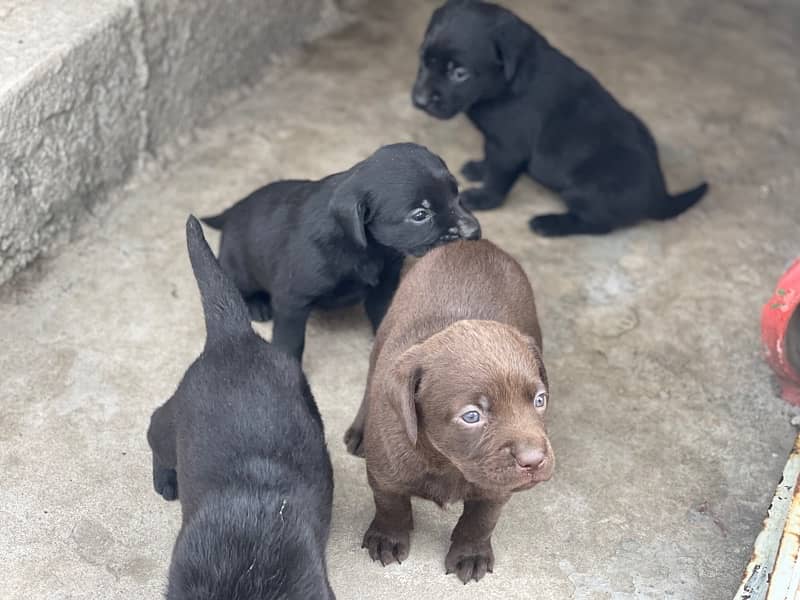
<point x="161" y="437"/>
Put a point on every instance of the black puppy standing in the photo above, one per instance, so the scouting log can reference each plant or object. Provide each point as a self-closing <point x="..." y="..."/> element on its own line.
<point x="241" y="442"/>
<point x="295" y="245"/>
<point x="542" y="114"/>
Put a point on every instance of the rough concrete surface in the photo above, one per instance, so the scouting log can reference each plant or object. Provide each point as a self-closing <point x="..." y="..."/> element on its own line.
<point x="668" y="434"/>
<point x="87" y="89"/>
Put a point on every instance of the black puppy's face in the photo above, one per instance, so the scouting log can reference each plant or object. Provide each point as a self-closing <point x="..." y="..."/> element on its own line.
<point x="459" y="64"/>
<point x="409" y="200"/>
<point x="450" y="80"/>
<point x="421" y="213"/>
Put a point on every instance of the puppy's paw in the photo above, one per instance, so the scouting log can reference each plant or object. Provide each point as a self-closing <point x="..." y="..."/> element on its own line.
<point x="474" y="170"/>
<point x="259" y="308"/>
<point x="387" y="547"/>
<point x="480" y="199"/>
<point x="470" y="561"/>
<point x="165" y="482"/>
<point x="354" y="440"/>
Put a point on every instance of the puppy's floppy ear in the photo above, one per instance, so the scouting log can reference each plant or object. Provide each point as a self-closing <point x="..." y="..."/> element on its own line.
<point x="348" y="206"/>
<point x="404" y="379"/>
<point x="514" y="43"/>
<point x="533" y="346"/>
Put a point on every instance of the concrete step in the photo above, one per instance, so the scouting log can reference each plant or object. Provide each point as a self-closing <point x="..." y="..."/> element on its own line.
<point x="90" y="89"/>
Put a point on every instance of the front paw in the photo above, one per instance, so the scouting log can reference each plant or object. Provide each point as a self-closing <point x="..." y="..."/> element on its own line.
<point x="387" y="547"/>
<point x="480" y="199"/>
<point x="474" y="170"/>
<point x="354" y="440"/>
<point x="470" y="561"/>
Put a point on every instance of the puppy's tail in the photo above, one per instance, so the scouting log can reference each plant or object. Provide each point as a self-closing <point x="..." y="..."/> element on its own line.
<point x="216" y="221"/>
<point x="672" y="206"/>
<point x="223" y="306"/>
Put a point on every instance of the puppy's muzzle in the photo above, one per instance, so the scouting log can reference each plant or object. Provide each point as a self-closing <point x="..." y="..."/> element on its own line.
<point x="467" y="225"/>
<point x="469" y="229"/>
<point x="424" y="99"/>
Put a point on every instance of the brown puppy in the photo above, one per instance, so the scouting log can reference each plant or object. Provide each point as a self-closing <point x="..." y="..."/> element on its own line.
<point x="455" y="402"/>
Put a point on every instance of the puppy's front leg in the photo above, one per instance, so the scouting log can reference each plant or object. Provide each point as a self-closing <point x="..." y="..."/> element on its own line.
<point x="500" y="170"/>
<point x="289" y="329"/>
<point x="388" y="536"/>
<point x="380" y="297"/>
<point x="474" y="170"/>
<point x="470" y="555"/>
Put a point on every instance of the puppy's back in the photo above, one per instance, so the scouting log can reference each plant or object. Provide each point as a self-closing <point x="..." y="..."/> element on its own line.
<point x="467" y="280"/>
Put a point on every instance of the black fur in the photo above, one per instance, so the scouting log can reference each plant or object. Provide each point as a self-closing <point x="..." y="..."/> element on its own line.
<point x="241" y="443"/>
<point x="543" y="115"/>
<point x="295" y="245"/>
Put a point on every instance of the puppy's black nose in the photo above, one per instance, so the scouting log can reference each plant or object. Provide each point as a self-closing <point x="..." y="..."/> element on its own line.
<point x="528" y="457"/>
<point x="469" y="229"/>
<point x="422" y="99"/>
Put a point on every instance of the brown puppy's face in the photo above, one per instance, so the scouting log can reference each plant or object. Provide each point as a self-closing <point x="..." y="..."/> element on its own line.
<point x="477" y="393"/>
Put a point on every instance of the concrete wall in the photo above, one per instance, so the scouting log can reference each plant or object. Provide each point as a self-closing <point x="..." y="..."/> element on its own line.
<point x="90" y="88"/>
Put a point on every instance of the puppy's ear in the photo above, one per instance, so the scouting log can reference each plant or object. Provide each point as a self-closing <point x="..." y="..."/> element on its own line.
<point x="403" y="383"/>
<point x="533" y="346"/>
<point x="514" y="43"/>
<point x="349" y="208"/>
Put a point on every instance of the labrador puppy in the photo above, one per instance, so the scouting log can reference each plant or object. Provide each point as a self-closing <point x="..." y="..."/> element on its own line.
<point x="295" y="245"/>
<point x="241" y="443"/>
<point x="455" y="402"/>
<point x="543" y="115"/>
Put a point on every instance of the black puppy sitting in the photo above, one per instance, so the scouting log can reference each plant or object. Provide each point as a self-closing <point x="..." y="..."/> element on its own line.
<point x="542" y="114"/>
<point x="294" y="245"/>
<point x="242" y="441"/>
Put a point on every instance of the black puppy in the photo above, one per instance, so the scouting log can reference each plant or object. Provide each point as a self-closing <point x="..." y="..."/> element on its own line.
<point x="294" y="245"/>
<point x="242" y="440"/>
<point x="542" y="114"/>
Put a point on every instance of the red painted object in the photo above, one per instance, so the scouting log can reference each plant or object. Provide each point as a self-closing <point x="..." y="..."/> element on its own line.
<point x="780" y="333"/>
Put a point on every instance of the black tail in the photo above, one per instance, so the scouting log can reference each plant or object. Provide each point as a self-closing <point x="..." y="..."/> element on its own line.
<point x="223" y="306"/>
<point x="672" y="206"/>
<point x="216" y="221"/>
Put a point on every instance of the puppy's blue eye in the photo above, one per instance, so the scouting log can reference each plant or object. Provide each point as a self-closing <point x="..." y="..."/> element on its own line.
<point x="459" y="74"/>
<point x="540" y="400"/>
<point x="471" y="417"/>
<point x="419" y="215"/>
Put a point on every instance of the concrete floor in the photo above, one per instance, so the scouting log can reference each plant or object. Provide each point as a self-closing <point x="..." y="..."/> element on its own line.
<point x="668" y="433"/>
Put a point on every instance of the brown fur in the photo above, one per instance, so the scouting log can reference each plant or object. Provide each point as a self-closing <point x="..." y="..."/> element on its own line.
<point x="461" y="334"/>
